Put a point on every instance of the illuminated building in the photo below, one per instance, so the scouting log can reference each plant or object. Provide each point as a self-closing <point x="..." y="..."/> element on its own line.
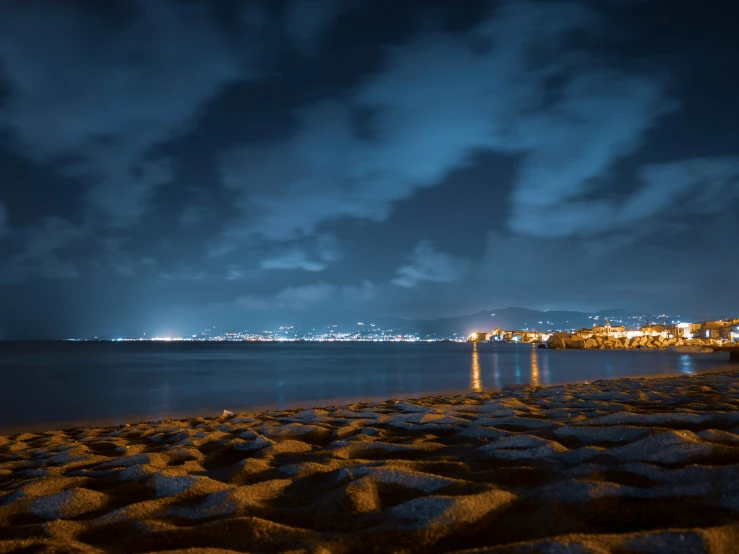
<point x="683" y="330"/>
<point x="654" y="331"/>
<point x="609" y="330"/>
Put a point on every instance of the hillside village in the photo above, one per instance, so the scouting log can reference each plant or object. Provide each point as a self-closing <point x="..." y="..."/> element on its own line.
<point x="607" y="336"/>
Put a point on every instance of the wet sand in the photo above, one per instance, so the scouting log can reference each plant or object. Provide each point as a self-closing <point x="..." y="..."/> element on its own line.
<point x="625" y="465"/>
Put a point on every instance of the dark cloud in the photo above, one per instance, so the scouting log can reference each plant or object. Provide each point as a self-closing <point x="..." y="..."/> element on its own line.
<point x="94" y="96"/>
<point x="429" y="265"/>
<point x="292" y="298"/>
<point x="292" y="258"/>
<point x="4" y="227"/>
<point x="117" y="258"/>
<point x="247" y="162"/>
<point x="427" y="119"/>
<point x="309" y="296"/>
<point x="702" y="186"/>
<point x="307" y="20"/>
<point x="324" y="251"/>
<point x="41" y="252"/>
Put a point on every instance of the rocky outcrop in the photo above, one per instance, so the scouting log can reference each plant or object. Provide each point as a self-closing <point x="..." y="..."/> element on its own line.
<point x="576" y="343"/>
<point x="561" y="341"/>
<point x="558" y="341"/>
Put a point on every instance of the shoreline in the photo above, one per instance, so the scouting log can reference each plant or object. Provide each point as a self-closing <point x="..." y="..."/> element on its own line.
<point x="138" y="419"/>
<point x="629" y="464"/>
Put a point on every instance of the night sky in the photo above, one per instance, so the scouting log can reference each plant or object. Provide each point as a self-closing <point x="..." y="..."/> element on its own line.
<point x="172" y="165"/>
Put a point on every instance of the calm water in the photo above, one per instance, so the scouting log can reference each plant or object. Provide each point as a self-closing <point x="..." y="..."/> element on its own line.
<point x="55" y="383"/>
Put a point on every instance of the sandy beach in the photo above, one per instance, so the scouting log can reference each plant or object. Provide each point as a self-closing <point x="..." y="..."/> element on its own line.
<point x="626" y="465"/>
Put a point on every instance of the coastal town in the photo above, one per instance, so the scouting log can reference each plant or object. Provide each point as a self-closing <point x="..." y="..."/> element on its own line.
<point x="607" y="336"/>
<point x="624" y="331"/>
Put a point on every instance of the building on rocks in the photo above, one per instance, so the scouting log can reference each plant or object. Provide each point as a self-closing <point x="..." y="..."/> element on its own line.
<point x="609" y="330"/>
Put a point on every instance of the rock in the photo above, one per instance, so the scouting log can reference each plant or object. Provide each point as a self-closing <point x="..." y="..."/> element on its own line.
<point x="575" y="343"/>
<point x="558" y="341"/>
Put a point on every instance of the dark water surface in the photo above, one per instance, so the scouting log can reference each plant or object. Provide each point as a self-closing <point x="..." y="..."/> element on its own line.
<point x="49" y="384"/>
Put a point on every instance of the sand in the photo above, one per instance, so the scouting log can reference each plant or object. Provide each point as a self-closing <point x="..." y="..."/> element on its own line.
<point x="627" y="465"/>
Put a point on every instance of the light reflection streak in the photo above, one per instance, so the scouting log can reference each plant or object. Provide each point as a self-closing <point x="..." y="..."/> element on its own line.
<point x="534" y="367"/>
<point x="686" y="364"/>
<point x="475" y="379"/>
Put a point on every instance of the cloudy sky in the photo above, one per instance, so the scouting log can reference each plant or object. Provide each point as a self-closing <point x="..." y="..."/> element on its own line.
<point x="171" y="165"/>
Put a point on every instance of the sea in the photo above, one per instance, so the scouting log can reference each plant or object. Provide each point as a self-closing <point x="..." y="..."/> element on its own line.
<point x="49" y="385"/>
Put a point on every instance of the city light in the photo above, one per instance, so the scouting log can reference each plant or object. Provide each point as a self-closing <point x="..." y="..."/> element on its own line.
<point x="653" y="327"/>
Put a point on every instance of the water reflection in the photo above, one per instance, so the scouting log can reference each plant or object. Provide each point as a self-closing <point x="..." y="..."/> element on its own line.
<point x="545" y="369"/>
<point x="159" y="404"/>
<point x="475" y="379"/>
<point x="69" y="382"/>
<point x="517" y="362"/>
<point x="281" y="394"/>
<point x="534" y="367"/>
<point x="496" y="369"/>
